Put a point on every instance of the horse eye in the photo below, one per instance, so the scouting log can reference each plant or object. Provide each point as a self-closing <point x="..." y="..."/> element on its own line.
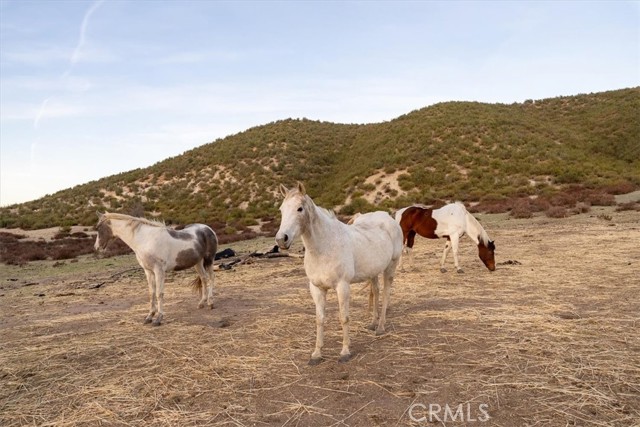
<point x="300" y="209"/>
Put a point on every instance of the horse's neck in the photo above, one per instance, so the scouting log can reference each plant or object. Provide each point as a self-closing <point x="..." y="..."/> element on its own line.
<point x="124" y="230"/>
<point x="475" y="230"/>
<point x="321" y="232"/>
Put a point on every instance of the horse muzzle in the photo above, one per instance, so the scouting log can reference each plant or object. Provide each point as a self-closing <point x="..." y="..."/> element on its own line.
<point x="283" y="241"/>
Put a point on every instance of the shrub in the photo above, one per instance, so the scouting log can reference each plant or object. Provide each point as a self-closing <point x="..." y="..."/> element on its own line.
<point x="357" y="205"/>
<point x="629" y="206"/>
<point x="522" y="209"/>
<point x="620" y="188"/>
<point x="583" y="207"/>
<point x="599" y="198"/>
<point x="556" y="212"/>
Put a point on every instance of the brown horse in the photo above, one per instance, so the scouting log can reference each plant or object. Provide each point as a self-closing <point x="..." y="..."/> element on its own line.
<point x="451" y="221"/>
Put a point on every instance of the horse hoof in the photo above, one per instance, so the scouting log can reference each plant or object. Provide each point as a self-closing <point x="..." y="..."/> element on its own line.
<point x="460" y="271"/>
<point x="344" y="358"/>
<point x="315" y="361"/>
<point x="380" y="332"/>
<point x="210" y="306"/>
<point x="147" y="320"/>
<point x="156" y="323"/>
<point x="372" y="327"/>
<point x="443" y="270"/>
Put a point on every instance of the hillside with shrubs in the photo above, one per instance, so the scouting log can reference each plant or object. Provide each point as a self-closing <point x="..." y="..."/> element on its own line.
<point x="564" y="152"/>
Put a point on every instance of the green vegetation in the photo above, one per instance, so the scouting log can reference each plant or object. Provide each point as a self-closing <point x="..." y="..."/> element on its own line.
<point x="451" y="151"/>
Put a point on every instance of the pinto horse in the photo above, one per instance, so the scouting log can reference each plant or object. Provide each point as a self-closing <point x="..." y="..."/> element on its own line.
<point x="337" y="254"/>
<point x="159" y="249"/>
<point x="451" y="221"/>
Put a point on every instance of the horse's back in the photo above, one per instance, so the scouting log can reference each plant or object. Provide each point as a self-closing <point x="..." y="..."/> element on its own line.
<point x="450" y="218"/>
<point x="381" y="226"/>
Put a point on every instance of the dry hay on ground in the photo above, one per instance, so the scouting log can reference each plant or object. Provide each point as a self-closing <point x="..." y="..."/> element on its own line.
<point x="550" y="340"/>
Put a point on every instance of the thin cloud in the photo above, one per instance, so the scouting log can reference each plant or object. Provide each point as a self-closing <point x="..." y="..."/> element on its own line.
<point x="75" y="57"/>
<point x="41" y="112"/>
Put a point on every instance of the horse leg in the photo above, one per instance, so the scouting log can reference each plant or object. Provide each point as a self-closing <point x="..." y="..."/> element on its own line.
<point x="319" y="298"/>
<point x="159" y="273"/>
<point x="411" y="237"/>
<point x="204" y="284"/>
<point x="210" y="277"/>
<point x="447" y="246"/>
<point x="343" y="302"/>
<point x="374" y="297"/>
<point x="387" y="281"/>
<point x="152" y="295"/>
<point x="454" y="248"/>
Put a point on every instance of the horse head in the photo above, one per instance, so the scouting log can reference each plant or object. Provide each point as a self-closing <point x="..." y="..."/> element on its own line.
<point x="104" y="232"/>
<point x="295" y="215"/>
<point x="487" y="255"/>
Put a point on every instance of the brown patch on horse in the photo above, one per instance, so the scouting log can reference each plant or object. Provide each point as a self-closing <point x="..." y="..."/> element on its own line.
<point x="186" y="259"/>
<point x="417" y="220"/>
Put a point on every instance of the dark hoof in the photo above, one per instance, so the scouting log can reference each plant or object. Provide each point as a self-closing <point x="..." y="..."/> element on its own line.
<point x="158" y="320"/>
<point x="314" y="362"/>
<point x="443" y="270"/>
<point x="147" y="320"/>
<point x="345" y="358"/>
<point x="372" y="327"/>
<point x="460" y="271"/>
<point x="380" y="332"/>
<point x="210" y="306"/>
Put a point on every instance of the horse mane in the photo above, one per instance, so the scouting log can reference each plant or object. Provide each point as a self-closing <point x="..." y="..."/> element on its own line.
<point x="483" y="237"/>
<point x="421" y="206"/>
<point x="134" y="220"/>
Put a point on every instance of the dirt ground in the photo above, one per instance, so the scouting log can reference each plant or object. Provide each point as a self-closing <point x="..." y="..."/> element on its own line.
<point x="551" y="338"/>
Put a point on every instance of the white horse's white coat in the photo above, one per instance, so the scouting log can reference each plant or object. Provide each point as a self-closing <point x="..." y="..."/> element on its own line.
<point x="337" y="254"/>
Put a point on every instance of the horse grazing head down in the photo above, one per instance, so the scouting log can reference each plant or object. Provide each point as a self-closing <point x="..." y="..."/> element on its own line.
<point x="295" y="215"/>
<point x="104" y="232"/>
<point x="487" y="254"/>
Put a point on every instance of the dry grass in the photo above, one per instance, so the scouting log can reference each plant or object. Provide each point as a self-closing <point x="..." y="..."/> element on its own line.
<point x="552" y="340"/>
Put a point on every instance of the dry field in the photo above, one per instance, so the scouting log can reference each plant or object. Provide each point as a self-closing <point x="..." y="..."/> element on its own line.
<point x="551" y="338"/>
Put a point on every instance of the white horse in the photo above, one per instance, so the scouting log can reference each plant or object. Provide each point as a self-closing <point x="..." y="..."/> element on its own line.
<point x="451" y="221"/>
<point x="337" y="254"/>
<point x="160" y="249"/>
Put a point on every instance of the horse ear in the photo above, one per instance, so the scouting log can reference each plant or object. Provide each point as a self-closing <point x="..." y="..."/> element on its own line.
<point x="284" y="190"/>
<point x="492" y="245"/>
<point x="301" y="188"/>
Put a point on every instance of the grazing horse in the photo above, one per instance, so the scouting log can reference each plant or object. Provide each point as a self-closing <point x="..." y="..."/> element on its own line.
<point x="451" y="221"/>
<point x="160" y="249"/>
<point x="337" y="254"/>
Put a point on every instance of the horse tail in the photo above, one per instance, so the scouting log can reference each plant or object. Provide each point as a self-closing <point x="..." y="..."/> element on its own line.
<point x="196" y="284"/>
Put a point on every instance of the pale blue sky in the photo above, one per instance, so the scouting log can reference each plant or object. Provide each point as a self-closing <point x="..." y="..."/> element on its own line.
<point x="93" y="88"/>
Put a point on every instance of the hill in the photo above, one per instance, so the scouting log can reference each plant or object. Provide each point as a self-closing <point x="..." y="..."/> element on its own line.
<point x="469" y="151"/>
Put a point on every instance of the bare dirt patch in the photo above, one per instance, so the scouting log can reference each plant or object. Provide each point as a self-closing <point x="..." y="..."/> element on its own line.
<point x="551" y="338"/>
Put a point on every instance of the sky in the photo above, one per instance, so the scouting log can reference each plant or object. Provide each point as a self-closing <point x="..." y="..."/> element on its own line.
<point x="89" y="89"/>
